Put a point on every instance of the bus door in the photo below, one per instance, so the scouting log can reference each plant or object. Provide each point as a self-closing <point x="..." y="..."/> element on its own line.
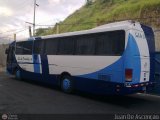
<point x="44" y="60"/>
<point x="40" y="59"/>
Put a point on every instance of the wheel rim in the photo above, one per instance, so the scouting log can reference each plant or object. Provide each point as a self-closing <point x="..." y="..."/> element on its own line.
<point x="66" y="84"/>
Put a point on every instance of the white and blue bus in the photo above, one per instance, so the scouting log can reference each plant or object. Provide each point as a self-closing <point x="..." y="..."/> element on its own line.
<point x="115" y="58"/>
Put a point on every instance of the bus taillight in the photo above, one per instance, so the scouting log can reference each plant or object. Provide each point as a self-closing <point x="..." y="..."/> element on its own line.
<point x="128" y="75"/>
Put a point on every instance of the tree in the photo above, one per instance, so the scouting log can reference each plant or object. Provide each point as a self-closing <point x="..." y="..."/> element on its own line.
<point x="89" y="2"/>
<point x="40" y="31"/>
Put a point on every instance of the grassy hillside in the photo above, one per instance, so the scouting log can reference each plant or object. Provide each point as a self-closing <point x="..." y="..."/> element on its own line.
<point x="105" y="11"/>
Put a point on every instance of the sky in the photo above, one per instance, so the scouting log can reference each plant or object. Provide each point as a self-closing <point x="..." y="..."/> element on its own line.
<point x="15" y="13"/>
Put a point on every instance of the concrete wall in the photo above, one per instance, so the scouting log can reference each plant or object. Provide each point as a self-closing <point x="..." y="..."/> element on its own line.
<point x="157" y="40"/>
<point x="3" y="56"/>
<point x="156" y="88"/>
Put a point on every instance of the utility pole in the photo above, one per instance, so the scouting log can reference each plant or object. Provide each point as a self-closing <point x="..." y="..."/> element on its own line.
<point x="57" y="28"/>
<point x="30" y="33"/>
<point x="14" y="35"/>
<point x="34" y="20"/>
<point x="34" y="16"/>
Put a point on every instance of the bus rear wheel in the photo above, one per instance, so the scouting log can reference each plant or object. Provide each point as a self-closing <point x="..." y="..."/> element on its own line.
<point x="67" y="84"/>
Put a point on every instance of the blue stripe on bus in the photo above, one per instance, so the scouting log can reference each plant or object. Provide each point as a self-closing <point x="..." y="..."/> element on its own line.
<point x="133" y="59"/>
<point x="36" y="66"/>
<point x="45" y="66"/>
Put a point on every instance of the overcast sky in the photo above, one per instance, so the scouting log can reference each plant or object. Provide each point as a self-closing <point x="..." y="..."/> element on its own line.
<point x="14" y="14"/>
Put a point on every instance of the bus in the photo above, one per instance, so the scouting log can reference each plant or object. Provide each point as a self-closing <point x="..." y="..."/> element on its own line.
<point x="112" y="59"/>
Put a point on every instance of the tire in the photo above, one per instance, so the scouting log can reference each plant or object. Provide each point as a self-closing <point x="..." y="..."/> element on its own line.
<point x="67" y="84"/>
<point x="18" y="74"/>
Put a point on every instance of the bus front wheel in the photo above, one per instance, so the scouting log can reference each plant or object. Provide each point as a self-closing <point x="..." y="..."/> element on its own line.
<point x="67" y="84"/>
<point x="18" y="74"/>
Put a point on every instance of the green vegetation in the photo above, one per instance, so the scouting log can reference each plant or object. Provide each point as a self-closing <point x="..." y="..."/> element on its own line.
<point x="105" y="11"/>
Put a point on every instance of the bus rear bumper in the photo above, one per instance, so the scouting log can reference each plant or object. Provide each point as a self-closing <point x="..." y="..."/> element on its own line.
<point x="107" y="87"/>
<point x="134" y="88"/>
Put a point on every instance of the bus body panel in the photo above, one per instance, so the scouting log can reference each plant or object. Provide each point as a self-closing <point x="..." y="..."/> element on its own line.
<point x="79" y="65"/>
<point x="30" y="63"/>
<point x="132" y="61"/>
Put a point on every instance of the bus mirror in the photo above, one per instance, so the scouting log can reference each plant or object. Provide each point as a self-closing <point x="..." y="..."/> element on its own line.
<point x="7" y="51"/>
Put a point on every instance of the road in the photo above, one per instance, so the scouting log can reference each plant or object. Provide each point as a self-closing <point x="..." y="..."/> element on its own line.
<point x="31" y="98"/>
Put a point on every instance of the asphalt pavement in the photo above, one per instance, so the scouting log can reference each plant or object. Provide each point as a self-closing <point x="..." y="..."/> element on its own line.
<point x="23" y="97"/>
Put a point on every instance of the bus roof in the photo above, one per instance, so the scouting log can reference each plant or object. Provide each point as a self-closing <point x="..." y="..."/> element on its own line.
<point x="123" y="25"/>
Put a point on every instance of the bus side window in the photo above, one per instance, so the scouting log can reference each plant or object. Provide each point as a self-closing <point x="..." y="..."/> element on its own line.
<point x="24" y="48"/>
<point x="66" y="46"/>
<point x="110" y="43"/>
<point x="27" y="47"/>
<point x="51" y="46"/>
<point x="101" y="44"/>
<point x="19" y="48"/>
<point x="118" y="42"/>
<point x="85" y="45"/>
<point x="38" y="47"/>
